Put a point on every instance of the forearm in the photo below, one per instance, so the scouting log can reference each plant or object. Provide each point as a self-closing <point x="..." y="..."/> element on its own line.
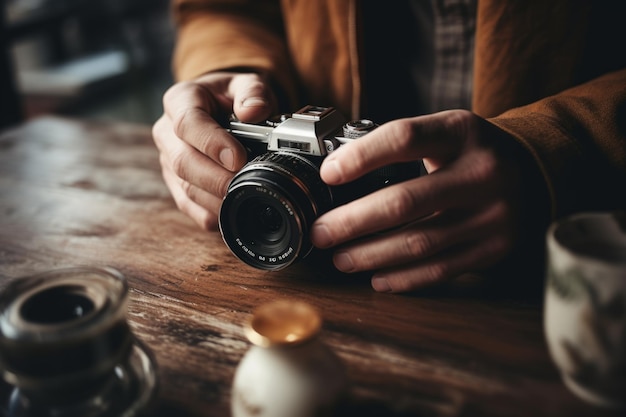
<point x="578" y="139"/>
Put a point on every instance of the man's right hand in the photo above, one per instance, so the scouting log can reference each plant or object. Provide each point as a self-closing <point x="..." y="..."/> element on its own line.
<point x="198" y="157"/>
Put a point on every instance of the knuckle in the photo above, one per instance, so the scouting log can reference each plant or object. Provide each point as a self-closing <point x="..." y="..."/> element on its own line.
<point x="436" y="272"/>
<point x="165" y="164"/>
<point x="173" y="91"/>
<point x="402" y="133"/>
<point x="460" y="121"/>
<point x="398" y="284"/>
<point x="183" y="204"/>
<point x="358" y="156"/>
<point x="401" y="203"/>
<point x="192" y="192"/>
<point x="367" y="260"/>
<point x="176" y="94"/>
<point x="418" y="245"/>
<point x="182" y="121"/>
<point x="158" y="130"/>
<point x="179" y="163"/>
<point x="254" y="85"/>
<point x="221" y="185"/>
<point x="248" y="79"/>
<point x="410" y="281"/>
<point x="185" y="125"/>
<point x="207" y="143"/>
<point x="345" y="226"/>
<point x="484" y="168"/>
<point x="188" y="189"/>
<point x="158" y="126"/>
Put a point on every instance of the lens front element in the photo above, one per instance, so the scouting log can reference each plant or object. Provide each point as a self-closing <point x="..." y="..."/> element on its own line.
<point x="265" y="222"/>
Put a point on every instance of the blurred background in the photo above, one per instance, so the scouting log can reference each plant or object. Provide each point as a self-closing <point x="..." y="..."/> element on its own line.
<point x="100" y="59"/>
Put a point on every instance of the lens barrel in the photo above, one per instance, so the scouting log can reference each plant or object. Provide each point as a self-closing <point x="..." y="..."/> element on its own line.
<point x="269" y="208"/>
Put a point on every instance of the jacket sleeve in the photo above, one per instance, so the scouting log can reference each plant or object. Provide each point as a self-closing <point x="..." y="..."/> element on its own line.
<point x="578" y="140"/>
<point x="231" y="34"/>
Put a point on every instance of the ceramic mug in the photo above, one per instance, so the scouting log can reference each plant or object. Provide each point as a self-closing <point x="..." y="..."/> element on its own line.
<point x="585" y="305"/>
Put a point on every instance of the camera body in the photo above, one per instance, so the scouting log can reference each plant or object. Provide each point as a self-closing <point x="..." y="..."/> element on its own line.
<point x="271" y="204"/>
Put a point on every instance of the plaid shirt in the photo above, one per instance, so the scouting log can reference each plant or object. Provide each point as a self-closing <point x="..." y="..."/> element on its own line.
<point x="418" y="56"/>
<point x="455" y="24"/>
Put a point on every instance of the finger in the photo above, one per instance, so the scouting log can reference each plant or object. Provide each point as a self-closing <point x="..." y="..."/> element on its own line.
<point x="188" y="163"/>
<point x="461" y="184"/>
<point x="195" y="168"/>
<point x="438" y="136"/>
<point x="205" y="217"/>
<point x="192" y="109"/>
<point x="209" y="201"/>
<point x="253" y="100"/>
<point x="423" y="239"/>
<point x="474" y="256"/>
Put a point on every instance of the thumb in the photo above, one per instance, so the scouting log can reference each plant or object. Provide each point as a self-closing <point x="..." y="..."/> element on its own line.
<point x="253" y="100"/>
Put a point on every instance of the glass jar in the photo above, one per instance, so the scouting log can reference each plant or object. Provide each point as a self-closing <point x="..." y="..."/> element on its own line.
<point x="66" y="349"/>
<point x="288" y="371"/>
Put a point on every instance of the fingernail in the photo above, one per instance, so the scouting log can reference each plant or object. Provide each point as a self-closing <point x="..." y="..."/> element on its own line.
<point x="331" y="171"/>
<point x="320" y="236"/>
<point x="227" y="158"/>
<point x="343" y="262"/>
<point x="381" y="285"/>
<point x="254" y="102"/>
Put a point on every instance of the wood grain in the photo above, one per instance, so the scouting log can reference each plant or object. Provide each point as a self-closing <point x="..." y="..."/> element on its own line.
<point x="90" y="193"/>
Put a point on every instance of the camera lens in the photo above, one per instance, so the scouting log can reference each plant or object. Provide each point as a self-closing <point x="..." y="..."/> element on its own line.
<point x="264" y="222"/>
<point x="270" y="221"/>
<point x="269" y="208"/>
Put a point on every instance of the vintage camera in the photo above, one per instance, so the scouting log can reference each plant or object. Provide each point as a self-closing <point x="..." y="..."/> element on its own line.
<point x="272" y="202"/>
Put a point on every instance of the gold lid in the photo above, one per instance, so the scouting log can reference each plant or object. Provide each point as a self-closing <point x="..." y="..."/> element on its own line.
<point x="283" y="323"/>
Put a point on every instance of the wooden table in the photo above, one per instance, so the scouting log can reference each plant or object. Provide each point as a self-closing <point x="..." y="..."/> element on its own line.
<point x="75" y="193"/>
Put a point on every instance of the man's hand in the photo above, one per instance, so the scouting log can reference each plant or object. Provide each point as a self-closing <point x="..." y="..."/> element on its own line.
<point x="198" y="157"/>
<point x="462" y="217"/>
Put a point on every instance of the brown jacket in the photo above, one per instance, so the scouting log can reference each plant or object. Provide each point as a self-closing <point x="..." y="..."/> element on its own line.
<point x="543" y="71"/>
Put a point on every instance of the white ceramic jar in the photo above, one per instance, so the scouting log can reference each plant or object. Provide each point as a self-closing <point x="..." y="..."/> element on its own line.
<point x="585" y="305"/>
<point x="288" y="372"/>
